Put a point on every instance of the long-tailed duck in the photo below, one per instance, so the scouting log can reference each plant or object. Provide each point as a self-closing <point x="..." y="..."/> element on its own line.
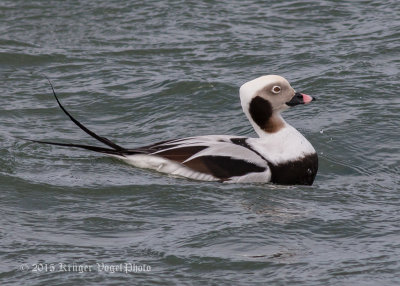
<point x="280" y="155"/>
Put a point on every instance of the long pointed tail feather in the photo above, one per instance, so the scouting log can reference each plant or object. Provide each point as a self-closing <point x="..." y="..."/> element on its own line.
<point x="114" y="150"/>
<point x="87" y="147"/>
<point x="81" y="126"/>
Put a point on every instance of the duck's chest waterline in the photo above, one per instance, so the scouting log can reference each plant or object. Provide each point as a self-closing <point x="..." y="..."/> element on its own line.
<point x="291" y="158"/>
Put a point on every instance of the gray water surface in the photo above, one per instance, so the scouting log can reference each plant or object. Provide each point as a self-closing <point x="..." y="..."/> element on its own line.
<point x="142" y="72"/>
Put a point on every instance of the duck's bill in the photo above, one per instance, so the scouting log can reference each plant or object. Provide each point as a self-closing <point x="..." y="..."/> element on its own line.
<point x="300" y="98"/>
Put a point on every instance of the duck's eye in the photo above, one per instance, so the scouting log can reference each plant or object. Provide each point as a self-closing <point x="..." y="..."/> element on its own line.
<point x="276" y="89"/>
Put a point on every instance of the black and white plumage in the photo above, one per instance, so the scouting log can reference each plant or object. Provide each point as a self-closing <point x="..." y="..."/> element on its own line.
<point x="280" y="155"/>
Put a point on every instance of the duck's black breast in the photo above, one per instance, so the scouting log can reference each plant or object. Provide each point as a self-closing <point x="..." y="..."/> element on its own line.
<point x="297" y="172"/>
<point x="294" y="172"/>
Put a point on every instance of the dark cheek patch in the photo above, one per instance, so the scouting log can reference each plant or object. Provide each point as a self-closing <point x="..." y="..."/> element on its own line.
<point x="261" y="111"/>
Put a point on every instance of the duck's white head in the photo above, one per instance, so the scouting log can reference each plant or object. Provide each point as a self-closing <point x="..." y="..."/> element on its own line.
<point x="265" y="97"/>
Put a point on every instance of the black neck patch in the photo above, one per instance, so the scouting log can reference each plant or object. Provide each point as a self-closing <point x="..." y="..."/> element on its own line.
<point x="260" y="111"/>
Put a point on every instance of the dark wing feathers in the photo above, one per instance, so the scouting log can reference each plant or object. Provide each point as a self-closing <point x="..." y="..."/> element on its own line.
<point x="180" y="154"/>
<point x="222" y="167"/>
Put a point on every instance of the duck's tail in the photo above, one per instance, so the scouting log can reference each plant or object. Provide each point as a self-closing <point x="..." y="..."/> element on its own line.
<point x="114" y="150"/>
<point x="87" y="147"/>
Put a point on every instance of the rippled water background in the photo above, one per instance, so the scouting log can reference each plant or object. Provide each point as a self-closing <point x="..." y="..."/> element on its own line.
<point x="153" y="70"/>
